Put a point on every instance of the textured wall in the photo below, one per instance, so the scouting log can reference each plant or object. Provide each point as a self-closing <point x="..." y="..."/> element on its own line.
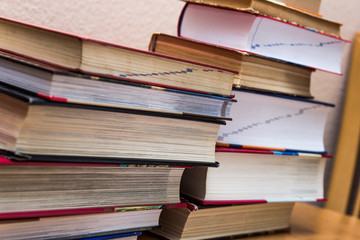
<point x="131" y="23"/>
<point x="125" y="22"/>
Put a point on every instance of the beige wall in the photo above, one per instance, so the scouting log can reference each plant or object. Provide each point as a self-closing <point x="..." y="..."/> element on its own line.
<point x="131" y="23"/>
<point x="126" y="22"/>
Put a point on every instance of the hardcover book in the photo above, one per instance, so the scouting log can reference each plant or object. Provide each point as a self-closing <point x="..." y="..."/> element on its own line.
<point x="110" y="60"/>
<point x="58" y="85"/>
<point x="248" y="176"/>
<point x="36" y="129"/>
<point x="291" y="11"/>
<point x="33" y="189"/>
<point x="200" y="222"/>
<point x="255" y="72"/>
<point x="79" y="226"/>
<point x="261" y="35"/>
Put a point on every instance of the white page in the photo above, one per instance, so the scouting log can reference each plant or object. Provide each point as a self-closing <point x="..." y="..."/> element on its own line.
<point x="266" y="121"/>
<point x="287" y="42"/>
<point x="243" y="176"/>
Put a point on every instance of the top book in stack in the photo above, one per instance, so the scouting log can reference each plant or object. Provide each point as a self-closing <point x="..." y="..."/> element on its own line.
<point x="267" y="28"/>
<point x="102" y="59"/>
<point x="280" y="10"/>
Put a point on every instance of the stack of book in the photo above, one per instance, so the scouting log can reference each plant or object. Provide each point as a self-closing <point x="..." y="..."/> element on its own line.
<point x="94" y="137"/>
<point x="272" y="153"/>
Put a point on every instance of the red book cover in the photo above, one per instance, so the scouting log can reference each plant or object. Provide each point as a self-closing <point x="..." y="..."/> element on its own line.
<point x="223" y="202"/>
<point x="80" y="211"/>
<point x="232" y="202"/>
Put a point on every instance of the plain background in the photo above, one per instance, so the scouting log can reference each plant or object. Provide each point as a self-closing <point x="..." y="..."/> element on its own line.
<point x="131" y="23"/>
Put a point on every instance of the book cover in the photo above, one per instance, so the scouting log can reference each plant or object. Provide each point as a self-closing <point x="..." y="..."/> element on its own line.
<point x="261" y="35"/>
<point x="102" y="133"/>
<point x="290" y="11"/>
<point x="59" y="85"/>
<point x="80" y="226"/>
<point x="43" y="189"/>
<point x="212" y="222"/>
<point x="255" y="72"/>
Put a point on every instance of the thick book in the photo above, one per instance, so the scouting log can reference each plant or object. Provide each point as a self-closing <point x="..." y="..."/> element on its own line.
<point x="250" y="176"/>
<point x="36" y="129"/>
<point x="262" y="35"/>
<point x="33" y="189"/>
<point x="79" y="226"/>
<point x="58" y="85"/>
<point x="255" y="72"/>
<point x="201" y="222"/>
<point x="278" y="122"/>
<point x="291" y="11"/>
<point x="110" y="60"/>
